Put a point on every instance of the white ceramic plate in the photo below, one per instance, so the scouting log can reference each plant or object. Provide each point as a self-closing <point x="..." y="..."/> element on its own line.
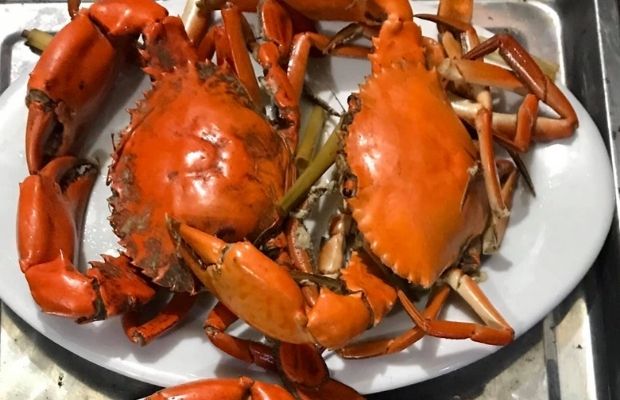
<point x="552" y="241"/>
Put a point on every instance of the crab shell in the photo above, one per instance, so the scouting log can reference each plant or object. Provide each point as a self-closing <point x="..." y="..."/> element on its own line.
<point x="419" y="202"/>
<point x="196" y="151"/>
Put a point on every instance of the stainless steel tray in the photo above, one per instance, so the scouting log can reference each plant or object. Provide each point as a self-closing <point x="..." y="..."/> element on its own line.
<point x="573" y="354"/>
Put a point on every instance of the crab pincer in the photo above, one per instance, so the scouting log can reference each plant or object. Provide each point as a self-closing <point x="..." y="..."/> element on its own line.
<point x="51" y="208"/>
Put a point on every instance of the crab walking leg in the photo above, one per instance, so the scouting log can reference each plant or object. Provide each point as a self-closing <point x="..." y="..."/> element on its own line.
<point x="513" y="130"/>
<point x="50" y="211"/>
<point x="494" y="234"/>
<point x="196" y="21"/>
<point x="239" y="33"/>
<point x="303" y="43"/>
<point x="301" y="366"/>
<point x="496" y="331"/>
<point x="374" y="348"/>
<point x="143" y="333"/>
<point x="251" y="352"/>
<point x="454" y="17"/>
<point x="526" y="69"/>
<point x="279" y="46"/>
<point x="206" y="47"/>
<point x="269" y="56"/>
<point x="487" y="159"/>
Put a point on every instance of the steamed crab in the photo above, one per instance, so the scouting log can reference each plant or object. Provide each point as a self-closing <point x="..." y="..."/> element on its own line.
<point x="199" y="147"/>
<point x="425" y="198"/>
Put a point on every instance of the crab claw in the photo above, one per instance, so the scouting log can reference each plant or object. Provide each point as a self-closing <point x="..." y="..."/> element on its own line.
<point x="233" y="389"/>
<point x="302" y="367"/>
<point x="65" y="88"/>
<point x="50" y="211"/>
<point x="51" y="207"/>
<point x="267" y="297"/>
<point x="237" y="274"/>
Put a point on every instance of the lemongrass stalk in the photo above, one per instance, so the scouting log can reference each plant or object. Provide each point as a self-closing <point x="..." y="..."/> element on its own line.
<point x="310" y="137"/>
<point x="36" y="39"/>
<point x="323" y="160"/>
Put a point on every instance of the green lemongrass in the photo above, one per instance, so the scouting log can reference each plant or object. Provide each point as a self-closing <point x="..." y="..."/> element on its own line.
<point x="310" y="137"/>
<point x="323" y="160"/>
<point x="36" y="39"/>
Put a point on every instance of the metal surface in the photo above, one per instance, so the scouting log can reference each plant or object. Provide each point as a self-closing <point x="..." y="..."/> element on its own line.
<point x="573" y="354"/>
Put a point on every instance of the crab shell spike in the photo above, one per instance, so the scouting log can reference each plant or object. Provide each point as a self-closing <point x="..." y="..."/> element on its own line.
<point x="398" y="41"/>
<point x="243" y="388"/>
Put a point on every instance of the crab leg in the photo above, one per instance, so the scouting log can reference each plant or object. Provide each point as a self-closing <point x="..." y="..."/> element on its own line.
<point x="239" y="33"/>
<point x="269" y="56"/>
<point x="454" y="16"/>
<point x="494" y="234"/>
<point x="303" y="43"/>
<point x="487" y="159"/>
<point x="536" y="81"/>
<point x="143" y="333"/>
<point x="301" y="365"/>
<point x="219" y="319"/>
<point x="528" y="79"/>
<point x="50" y="211"/>
<point x="374" y="348"/>
<point x="496" y="331"/>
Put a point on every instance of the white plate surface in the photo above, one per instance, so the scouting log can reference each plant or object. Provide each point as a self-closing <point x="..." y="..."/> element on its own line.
<point x="552" y="241"/>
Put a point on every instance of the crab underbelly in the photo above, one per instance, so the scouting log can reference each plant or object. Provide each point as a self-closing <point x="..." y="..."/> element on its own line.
<point x="418" y="202"/>
<point x="197" y="156"/>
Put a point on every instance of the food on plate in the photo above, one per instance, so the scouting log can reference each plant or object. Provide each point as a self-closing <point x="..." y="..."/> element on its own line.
<point x="198" y="149"/>
<point x="426" y="199"/>
<point x="301" y="368"/>
<point x="199" y="178"/>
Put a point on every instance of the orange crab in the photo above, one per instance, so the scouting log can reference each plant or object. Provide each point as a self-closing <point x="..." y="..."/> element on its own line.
<point x="301" y="368"/>
<point x="199" y="148"/>
<point x="425" y="198"/>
